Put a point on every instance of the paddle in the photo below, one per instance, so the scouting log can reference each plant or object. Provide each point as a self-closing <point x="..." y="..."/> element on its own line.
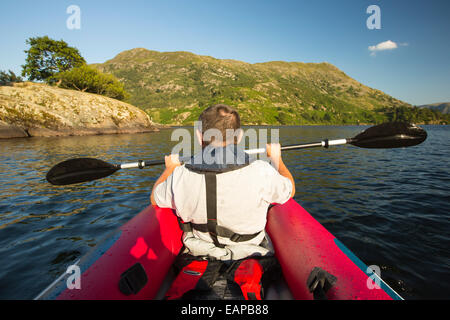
<point x="387" y="135"/>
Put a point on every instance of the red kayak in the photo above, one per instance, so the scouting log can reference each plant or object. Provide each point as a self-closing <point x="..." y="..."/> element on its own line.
<point x="134" y="262"/>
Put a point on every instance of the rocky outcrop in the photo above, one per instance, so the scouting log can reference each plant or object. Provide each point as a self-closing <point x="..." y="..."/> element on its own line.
<point x="32" y="109"/>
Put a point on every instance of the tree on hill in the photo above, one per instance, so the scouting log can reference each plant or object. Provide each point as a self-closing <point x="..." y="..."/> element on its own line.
<point x="55" y="62"/>
<point x="47" y="57"/>
<point x="89" y="79"/>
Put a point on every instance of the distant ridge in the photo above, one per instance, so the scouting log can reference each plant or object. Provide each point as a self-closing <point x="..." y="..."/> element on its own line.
<point x="443" y="107"/>
<point x="174" y="87"/>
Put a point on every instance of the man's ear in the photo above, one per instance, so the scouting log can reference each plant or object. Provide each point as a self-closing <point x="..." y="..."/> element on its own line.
<point x="199" y="136"/>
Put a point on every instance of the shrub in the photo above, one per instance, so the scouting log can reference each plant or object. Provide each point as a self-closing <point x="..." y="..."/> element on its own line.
<point x="89" y="79"/>
<point x="9" y="77"/>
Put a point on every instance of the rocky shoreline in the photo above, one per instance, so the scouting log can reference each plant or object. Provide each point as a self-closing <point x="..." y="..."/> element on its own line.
<point x="38" y="110"/>
<point x="8" y="131"/>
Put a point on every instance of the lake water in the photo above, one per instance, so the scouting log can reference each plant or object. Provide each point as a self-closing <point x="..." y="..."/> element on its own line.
<point x="390" y="207"/>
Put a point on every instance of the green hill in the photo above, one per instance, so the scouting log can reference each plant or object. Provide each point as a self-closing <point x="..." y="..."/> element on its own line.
<point x="174" y="87"/>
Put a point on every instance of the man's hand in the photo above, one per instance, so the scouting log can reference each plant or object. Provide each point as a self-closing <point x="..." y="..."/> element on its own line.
<point x="172" y="161"/>
<point x="274" y="153"/>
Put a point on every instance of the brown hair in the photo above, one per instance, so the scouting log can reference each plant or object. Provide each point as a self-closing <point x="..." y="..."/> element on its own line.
<point x="220" y="117"/>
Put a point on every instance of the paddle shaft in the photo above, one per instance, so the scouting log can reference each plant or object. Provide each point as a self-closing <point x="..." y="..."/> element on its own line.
<point x="325" y="143"/>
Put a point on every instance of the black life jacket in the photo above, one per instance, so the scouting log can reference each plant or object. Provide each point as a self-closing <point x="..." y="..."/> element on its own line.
<point x="211" y="162"/>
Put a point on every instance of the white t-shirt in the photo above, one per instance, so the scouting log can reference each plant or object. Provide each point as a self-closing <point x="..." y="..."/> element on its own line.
<point x="243" y="198"/>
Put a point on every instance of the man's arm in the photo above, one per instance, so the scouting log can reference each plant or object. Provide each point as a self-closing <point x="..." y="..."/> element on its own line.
<point x="172" y="162"/>
<point x="274" y="153"/>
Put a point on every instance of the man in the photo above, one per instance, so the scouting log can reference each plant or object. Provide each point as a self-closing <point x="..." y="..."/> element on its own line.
<point x="222" y="198"/>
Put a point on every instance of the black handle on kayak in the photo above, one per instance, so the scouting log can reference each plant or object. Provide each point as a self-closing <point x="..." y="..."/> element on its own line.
<point x="387" y="135"/>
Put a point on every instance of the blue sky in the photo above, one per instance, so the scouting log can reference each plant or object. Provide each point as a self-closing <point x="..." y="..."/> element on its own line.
<point x="417" y="71"/>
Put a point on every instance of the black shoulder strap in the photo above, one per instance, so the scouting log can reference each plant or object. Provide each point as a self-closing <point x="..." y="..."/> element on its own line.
<point x="211" y="206"/>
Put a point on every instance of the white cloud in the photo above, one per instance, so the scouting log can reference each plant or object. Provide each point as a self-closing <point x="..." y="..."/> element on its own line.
<point x="386" y="45"/>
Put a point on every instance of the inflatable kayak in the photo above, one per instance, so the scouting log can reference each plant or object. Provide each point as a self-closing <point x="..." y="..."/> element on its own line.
<point x="135" y="261"/>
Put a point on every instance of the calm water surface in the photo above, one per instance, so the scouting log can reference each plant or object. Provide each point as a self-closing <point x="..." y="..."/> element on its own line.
<point x="390" y="207"/>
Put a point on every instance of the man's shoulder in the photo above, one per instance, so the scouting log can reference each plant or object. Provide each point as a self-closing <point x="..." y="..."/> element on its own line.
<point x="261" y="164"/>
<point x="181" y="172"/>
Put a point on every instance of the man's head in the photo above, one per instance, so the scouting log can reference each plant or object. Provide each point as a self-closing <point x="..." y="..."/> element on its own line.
<point x="219" y="122"/>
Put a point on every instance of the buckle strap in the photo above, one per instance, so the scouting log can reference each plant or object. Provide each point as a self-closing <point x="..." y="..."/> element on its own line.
<point x="220" y="231"/>
<point x="235" y="237"/>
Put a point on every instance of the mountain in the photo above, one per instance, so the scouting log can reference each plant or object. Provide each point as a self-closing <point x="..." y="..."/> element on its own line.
<point x="174" y="87"/>
<point x="443" y="107"/>
<point x="36" y="109"/>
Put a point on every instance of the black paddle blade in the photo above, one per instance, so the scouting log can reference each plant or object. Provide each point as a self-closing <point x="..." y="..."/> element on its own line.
<point x="390" y="135"/>
<point x="80" y="170"/>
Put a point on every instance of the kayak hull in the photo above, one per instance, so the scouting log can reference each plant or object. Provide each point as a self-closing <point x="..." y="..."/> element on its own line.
<point x="153" y="240"/>
<point x="301" y="243"/>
